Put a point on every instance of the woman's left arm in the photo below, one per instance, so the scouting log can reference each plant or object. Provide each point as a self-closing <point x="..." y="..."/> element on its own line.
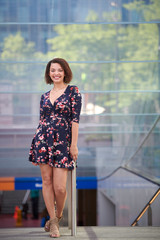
<point x="73" y="147"/>
<point x="76" y="101"/>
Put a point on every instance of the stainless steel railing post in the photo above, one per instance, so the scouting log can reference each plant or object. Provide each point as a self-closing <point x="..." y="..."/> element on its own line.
<point x="69" y="199"/>
<point x="73" y="202"/>
<point x="72" y="215"/>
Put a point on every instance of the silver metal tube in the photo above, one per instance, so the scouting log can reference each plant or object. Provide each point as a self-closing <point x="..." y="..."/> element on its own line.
<point x="73" y="202"/>
<point x="69" y="198"/>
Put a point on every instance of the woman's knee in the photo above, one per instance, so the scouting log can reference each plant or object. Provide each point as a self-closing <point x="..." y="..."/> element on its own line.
<point x="60" y="190"/>
<point x="47" y="180"/>
<point x="47" y="175"/>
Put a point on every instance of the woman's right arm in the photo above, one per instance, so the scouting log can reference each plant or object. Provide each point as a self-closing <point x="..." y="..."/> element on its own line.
<point x="41" y="115"/>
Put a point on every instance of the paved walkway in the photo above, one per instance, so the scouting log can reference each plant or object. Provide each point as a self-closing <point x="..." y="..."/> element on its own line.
<point x="83" y="233"/>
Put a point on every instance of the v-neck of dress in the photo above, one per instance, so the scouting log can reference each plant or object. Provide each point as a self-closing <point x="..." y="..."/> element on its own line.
<point x="57" y="97"/>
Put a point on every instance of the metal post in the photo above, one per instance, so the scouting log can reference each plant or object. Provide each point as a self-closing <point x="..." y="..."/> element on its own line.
<point x="73" y="202"/>
<point x="69" y="199"/>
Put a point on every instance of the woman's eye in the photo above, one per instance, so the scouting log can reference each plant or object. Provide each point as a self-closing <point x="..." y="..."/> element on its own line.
<point x="58" y="70"/>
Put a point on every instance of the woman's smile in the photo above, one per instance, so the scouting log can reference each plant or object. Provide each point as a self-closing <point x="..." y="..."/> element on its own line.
<point x="56" y="72"/>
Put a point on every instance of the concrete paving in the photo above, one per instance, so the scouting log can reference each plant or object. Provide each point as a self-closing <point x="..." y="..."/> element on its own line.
<point x="83" y="233"/>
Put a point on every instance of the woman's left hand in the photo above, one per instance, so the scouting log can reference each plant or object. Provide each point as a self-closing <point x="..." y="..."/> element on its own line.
<point x="74" y="152"/>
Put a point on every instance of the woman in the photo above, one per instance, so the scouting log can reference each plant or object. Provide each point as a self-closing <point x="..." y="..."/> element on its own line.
<point x="54" y="146"/>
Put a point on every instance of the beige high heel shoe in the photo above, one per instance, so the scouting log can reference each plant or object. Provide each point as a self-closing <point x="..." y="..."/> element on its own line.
<point x="54" y="228"/>
<point x="47" y="225"/>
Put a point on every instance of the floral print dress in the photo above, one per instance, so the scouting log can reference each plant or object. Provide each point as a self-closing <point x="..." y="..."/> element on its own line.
<point x="52" y="140"/>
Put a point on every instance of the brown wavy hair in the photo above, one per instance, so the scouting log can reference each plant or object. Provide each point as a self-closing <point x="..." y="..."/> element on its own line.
<point x="64" y="65"/>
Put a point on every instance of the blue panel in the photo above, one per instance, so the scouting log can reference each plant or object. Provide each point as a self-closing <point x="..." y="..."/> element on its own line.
<point x="28" y="183"/>
<point x="86" y="183"/>
<point x="36" y="183"/>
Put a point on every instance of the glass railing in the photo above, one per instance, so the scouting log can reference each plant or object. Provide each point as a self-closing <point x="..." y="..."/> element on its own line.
<point x="109" y="137"/>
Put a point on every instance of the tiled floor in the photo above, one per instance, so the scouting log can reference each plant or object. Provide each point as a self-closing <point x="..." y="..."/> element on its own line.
<point x="31" y="229"/>
<point x="83" y="233"/>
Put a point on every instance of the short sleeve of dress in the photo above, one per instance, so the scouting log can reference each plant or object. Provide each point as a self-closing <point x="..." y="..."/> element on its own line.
<point x="41" y="115"/>
<point x="76" y="102"/>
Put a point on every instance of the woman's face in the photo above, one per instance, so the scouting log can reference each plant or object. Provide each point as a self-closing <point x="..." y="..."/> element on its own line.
<point x="56" y="73"/>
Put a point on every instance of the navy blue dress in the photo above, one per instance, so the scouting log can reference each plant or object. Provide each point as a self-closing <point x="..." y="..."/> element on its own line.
<point x="52" y="139"/>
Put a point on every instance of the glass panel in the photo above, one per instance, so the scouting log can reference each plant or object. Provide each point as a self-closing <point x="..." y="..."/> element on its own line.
<point x="88" y="76"/>
<point x="112" y="128"/>
<point x="115" y="63"/>
<point x="77" y="10"/>
<point x="98" y="42"/>
<point x="145" y="157"/>
<point x="130" y="194"/>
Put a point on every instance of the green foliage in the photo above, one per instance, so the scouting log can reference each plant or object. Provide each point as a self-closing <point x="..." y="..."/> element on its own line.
<point x="96" y="42"/>
<point x="16" y="52"/>
<point x="16" y="49"/>
<point x="108" y="43"/>
<point x="149" y="12"/>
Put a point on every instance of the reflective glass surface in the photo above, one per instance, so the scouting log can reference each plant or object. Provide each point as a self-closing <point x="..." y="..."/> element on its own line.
<point x="113" y="48"/>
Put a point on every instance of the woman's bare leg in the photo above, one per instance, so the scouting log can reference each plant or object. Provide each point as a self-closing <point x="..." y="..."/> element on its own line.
<point x="47" y="188"/>
<point x="59" y="185"/>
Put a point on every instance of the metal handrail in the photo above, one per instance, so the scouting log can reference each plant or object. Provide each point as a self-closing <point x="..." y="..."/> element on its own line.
<point x="145" y="208"/>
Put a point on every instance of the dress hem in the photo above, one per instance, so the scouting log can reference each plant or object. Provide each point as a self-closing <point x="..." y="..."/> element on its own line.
<point x="69" y="168"/>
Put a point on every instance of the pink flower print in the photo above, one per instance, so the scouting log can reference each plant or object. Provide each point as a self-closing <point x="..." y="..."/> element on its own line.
<point x="43" y="149"/>
<point x="54" y="141"/>
<point x="58" y="123"/>
<point x="58" y="152"/>
<point x="49" y="149"/>
<point x="41" y="137"/>
<point x="62" y="105"/>
<point x="57" y="137"/>
<point x="64" y="160"/>
<point x="77" y="90"/>
<point x="50" y="154"/>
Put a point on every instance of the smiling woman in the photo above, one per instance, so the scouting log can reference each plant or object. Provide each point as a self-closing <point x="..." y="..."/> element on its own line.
<point x="54" y="146"/>
<point x="56" y="73"/>
<point x="61" y="66"/>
